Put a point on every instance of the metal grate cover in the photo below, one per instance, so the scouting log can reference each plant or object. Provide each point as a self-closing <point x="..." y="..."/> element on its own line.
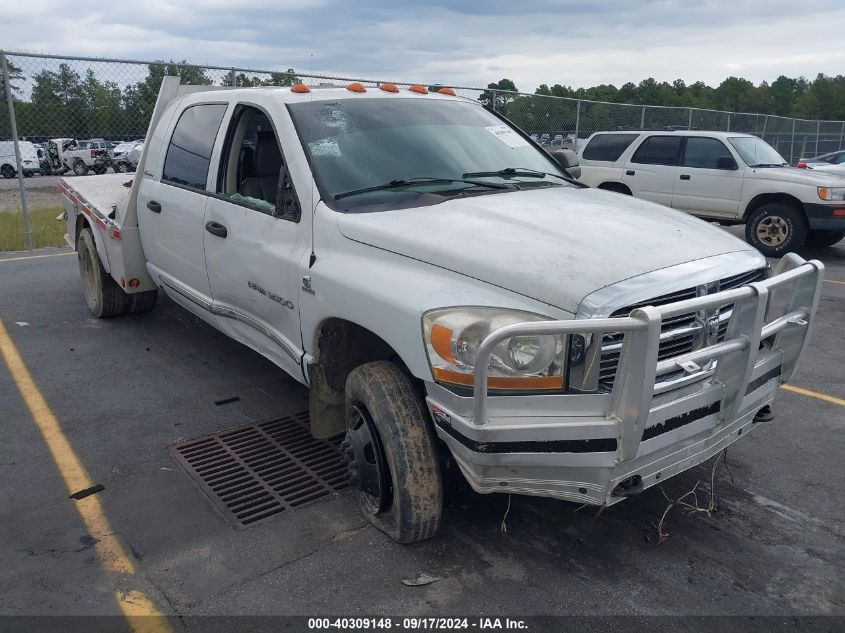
<point x="254" y="472"/>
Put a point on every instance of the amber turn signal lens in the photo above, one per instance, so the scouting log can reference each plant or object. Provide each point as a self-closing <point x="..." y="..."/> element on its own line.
<point x="418" y="88"/>
<point x="356" y="87"/>
<point x="441" y="341"/>
<point x="389" y="87"/>
<point x="447" y="91"/>
<point x="301" y="88"/>
<point x="516" y="383"/>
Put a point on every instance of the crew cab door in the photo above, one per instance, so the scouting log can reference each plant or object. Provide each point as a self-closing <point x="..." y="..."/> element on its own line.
<point x="256" y="247"/>
<point x="709" y="181"/>
<point x="651" y="171"/>
<point x="171" y="207"/>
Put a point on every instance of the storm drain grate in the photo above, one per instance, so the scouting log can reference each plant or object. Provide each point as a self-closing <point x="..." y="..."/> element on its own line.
<point x="257" y="471"/>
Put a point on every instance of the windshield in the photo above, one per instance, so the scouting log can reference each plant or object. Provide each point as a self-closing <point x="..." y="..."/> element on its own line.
<point x="357" y="144"/>
<point x="756" y="152"/>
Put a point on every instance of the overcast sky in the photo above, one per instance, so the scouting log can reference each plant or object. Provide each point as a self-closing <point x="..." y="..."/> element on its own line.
<point x="469" y="42"/>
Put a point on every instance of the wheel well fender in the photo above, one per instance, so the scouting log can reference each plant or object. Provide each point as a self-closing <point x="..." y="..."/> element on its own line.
<point x="340" y="346"/>
<point x="765" y="198"/>
<point x="618" y="187"/>
<point x="81" y="224"/>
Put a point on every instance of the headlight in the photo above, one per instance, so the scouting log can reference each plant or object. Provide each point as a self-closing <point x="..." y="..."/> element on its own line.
<point x="453" y="336"/>
<point x="832" y="193"/>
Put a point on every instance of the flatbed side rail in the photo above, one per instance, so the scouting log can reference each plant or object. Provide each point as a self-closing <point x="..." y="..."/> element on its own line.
<point x="638" y="368"/>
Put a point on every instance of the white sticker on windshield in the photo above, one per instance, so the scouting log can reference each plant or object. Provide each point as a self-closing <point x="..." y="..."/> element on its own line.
<point x="507" y="135"/>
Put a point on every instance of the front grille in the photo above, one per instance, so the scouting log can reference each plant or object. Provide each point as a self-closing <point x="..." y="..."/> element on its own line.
<point x="676" y="345"/>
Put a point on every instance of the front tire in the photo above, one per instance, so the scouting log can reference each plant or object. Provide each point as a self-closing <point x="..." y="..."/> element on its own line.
<point x="80" y="168"/>
<point x="7" y="171"/>
<point x="102" y="294"/>
<point x="776" y="228"/>
<point x="823" y="239"/>
<point x="389" y="437"/>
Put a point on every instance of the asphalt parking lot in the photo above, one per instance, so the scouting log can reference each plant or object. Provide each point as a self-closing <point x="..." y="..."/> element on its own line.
<point x="118" y="393"/>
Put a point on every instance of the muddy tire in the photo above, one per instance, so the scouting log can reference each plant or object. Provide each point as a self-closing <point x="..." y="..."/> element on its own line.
<point x="776" y="228"/>
<point x="141" y="301"/>
<point x="413" y="500"/>
<point x="80" y="168"/>
<point x="823" y="239"/>
<point x="102" y="294"/>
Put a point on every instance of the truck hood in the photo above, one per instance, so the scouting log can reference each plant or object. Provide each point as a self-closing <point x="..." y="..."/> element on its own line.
<point x="554" y="245"/>
<point x="813" y="177"/>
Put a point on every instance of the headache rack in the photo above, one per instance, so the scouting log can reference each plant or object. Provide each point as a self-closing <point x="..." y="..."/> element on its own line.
<point x="749" y="332"/>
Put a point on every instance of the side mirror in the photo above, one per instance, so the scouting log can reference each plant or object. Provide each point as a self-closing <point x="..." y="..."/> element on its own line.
<point x="726" y="162"/>
<point x="568" y="160"/>
<point x="287" y="203"/>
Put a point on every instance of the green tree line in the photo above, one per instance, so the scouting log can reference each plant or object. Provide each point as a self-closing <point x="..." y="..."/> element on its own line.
<point x="820" y="98"/>
<point x="65" y="103"/>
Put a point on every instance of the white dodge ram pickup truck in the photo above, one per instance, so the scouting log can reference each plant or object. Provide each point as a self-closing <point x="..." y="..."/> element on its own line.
<point x="725" y="176"/>
<point x="446" y="291"/>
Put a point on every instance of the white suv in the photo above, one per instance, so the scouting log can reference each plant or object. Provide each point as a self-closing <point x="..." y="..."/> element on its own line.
<point x="725" y="176"/>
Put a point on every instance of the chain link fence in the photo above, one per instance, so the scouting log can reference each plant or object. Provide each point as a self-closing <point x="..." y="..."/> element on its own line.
<point x="50" y="100"/>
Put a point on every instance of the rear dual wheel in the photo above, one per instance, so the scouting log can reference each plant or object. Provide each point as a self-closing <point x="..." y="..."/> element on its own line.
<point x="102" y="294"/>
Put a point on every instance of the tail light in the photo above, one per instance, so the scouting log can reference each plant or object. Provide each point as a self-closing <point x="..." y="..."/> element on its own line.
<point x="93" y="153"/>
<point x="801" y="165"/>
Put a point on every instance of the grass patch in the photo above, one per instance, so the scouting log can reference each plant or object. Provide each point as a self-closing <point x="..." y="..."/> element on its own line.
<point x="46" y="231"/>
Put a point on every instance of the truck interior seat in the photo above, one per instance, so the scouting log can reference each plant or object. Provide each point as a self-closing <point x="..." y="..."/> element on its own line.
<point x="266" y="163"/>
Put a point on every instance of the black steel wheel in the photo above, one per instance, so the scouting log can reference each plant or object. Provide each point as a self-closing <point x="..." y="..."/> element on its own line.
<point x="368" y="471"/>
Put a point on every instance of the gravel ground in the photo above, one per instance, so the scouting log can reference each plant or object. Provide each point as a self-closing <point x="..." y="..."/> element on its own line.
<point x="41" y="191"/>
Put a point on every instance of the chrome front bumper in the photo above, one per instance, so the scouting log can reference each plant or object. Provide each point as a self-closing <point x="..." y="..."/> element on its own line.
<point x="661" y="418"/>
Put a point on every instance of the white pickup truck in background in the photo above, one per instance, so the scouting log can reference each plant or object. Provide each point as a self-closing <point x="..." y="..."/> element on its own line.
<point x="725" y="176"/>
<point x="446" y="290"/>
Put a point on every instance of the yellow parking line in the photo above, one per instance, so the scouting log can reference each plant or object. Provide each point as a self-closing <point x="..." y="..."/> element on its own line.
<point x="109" y="548"/>
<point x="17" y="259"/>
<point x="834" y="281"/>
<point x="814" y="394"/>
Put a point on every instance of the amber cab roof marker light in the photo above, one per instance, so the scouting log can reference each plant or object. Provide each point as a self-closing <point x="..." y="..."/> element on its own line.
<point x="447" y="91"/>
<point x="300" y="88"/>
<point x="418" y="88"/>
<point x="356" y="87"/>
<point x="388" y="87"/>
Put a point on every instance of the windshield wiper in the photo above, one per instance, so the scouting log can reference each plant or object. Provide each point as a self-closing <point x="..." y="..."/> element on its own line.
<point x="516" y="172"/>
<point x="770" y="165"/>
<point x="399" y="183"/>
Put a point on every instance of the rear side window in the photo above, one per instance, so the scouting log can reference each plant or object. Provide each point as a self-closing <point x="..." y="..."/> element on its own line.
<point x="658" y="150"/>
<point x="608" y="147"/>
<point x="704" y="152"/>
<point x="189" y="151"/>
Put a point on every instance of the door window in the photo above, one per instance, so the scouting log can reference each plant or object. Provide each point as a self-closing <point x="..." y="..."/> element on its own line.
<point x="189" y="151"/>
<point x="251" y="161"/>
<point x="608" y="147"/>
<point x="705" y="153"/>
<point x="658" y="150"/>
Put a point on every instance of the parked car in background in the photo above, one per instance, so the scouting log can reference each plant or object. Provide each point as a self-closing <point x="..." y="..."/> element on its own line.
<point x="127" y="160"/>
<point x="832" y="158"/>
<point x="82" y="156"/>
<point x="119" y="149"/>
<point x="724" y="176"/>
<point x="8" y="161"/>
